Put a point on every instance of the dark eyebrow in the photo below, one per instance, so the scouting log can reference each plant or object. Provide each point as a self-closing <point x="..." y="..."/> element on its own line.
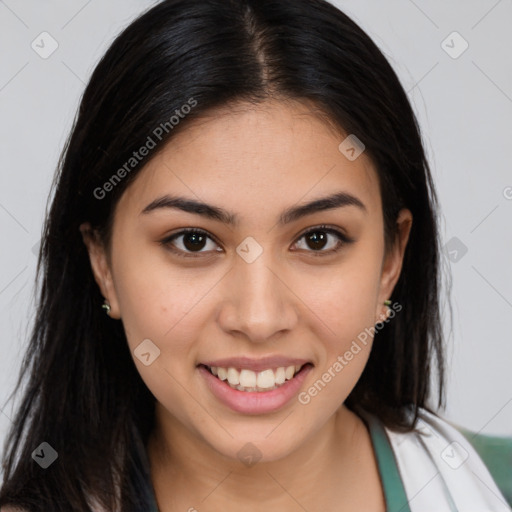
<point x="292" y="214"/>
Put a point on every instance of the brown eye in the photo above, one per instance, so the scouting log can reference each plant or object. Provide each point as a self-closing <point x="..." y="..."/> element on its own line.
<point x="320" y="237"/>
<point x="194" y="240"/>
<point x="317" y="239"/>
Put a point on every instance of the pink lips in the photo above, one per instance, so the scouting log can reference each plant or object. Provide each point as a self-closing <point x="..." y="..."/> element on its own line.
<point x="256" y="365"/>
<point x="255" y="402"/>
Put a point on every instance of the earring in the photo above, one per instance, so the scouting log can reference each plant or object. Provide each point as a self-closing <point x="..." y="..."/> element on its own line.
<point x="106" y="307"/>
<point x="387" y="303"/>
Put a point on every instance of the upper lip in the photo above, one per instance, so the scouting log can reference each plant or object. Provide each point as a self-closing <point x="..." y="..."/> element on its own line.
<point x="263" y="363"/>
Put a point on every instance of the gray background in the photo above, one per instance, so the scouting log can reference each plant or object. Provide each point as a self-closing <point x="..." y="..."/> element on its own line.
<point x="464" y="106"/>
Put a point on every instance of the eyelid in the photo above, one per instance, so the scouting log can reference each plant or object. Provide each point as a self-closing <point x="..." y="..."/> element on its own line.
<point x="329" y="229"/>
<point x="333" y="230"/>
<point x="166" y="242"/>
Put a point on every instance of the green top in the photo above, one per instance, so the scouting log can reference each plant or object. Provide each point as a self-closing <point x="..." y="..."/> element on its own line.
<point x="495" y="452"/>
<point x="394" y="492"/>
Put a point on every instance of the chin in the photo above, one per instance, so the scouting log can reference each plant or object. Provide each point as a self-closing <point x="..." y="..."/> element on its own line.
<point x="250" y="449"/>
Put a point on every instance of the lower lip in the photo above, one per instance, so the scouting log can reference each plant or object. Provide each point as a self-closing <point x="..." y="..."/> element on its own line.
<point x="254" y="402"/>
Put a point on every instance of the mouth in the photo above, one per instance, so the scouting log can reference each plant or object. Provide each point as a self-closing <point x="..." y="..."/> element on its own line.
<point x="249" y="381"/>
<point x="249" y="386"/>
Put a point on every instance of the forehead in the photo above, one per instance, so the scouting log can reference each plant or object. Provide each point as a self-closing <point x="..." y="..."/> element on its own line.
<point x="255" y="158"/>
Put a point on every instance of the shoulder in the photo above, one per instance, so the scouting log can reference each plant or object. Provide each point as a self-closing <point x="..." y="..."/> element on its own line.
<point x="475" y="458"/>
<point x="496" y="454"/>
<point x="10" y="508"/>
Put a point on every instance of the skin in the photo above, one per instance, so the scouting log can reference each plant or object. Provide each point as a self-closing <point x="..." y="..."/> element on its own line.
<point x="254" y="161"/>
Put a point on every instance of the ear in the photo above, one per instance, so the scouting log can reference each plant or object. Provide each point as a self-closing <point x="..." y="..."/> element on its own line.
<point x="392" y="264"/>
<point x="100" y="267"/>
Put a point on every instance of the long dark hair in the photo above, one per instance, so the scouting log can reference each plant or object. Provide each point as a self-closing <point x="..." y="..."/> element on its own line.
<point x="83" y="395"/>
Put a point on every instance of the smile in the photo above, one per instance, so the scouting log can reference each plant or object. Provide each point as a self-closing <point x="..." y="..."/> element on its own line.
<point x="264" y="387"/>
<point x="252" y="381"/>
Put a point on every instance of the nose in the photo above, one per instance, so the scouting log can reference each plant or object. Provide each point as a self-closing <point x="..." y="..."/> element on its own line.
<point x="260" y="304"/>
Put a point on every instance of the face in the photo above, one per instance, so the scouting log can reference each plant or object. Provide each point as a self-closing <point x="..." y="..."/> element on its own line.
<point x="272" y="296"/>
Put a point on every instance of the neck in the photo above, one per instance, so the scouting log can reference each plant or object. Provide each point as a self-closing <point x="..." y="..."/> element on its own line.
<point x="183" y="468"/>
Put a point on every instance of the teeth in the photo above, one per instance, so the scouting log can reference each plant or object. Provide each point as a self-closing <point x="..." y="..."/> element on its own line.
<point x="289" y="372"/>
<point x="247" y="380"/>
<point x="233" y="377"/>
<point x="266" y="379"/>
<point x="280" y="375"/>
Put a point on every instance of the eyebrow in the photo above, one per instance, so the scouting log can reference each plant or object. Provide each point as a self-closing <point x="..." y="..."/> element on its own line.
<point x="337" y="200"/>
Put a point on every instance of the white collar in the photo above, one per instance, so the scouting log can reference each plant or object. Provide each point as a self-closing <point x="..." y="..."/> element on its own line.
<point x="441" y="471"/>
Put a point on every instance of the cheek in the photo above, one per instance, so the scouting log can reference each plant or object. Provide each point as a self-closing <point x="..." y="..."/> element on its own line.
<point x="160" y="303"/>
<point x="343" y="298"/>
<point x="342" y="303"/>
<point x="154" y="295"/>
<point x="343" y="308"/>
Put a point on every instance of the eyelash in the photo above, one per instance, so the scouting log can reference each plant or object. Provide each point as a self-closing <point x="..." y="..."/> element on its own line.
<point x="344" y="240"/>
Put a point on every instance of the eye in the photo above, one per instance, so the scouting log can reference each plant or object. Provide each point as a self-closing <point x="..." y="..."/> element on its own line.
<point x="317" y="238"/>
<point x="194" y="239"/>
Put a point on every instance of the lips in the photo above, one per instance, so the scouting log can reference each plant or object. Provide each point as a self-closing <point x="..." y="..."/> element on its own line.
<point x="255" y="386"/>
<point x="256" y="365"/>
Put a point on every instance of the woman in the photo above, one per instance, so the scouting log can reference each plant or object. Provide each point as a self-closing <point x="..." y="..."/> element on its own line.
<point x="239" y="306"/>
